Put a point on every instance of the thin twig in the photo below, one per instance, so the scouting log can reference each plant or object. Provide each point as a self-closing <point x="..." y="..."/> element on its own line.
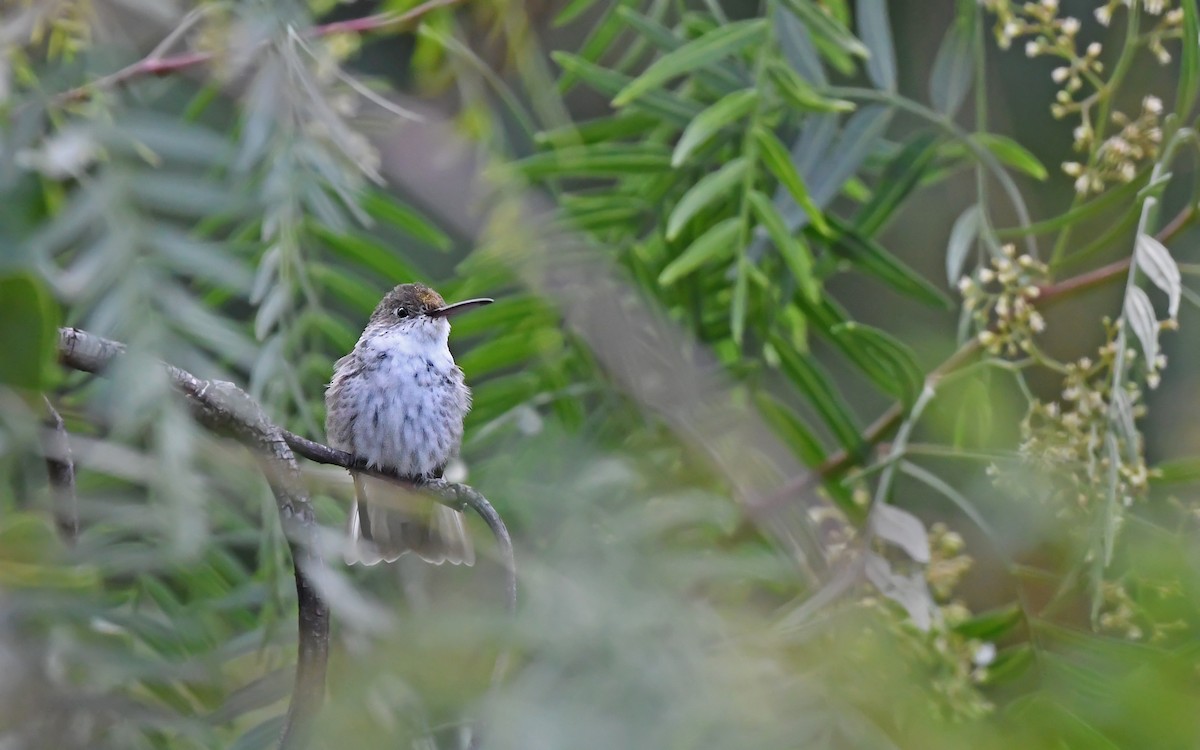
<point x="60" y="467"/>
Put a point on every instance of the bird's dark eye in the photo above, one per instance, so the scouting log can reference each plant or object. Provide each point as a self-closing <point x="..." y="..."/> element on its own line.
<point x="401" y="312"/>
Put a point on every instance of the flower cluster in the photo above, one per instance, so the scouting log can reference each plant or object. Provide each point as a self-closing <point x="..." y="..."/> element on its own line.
<point x="1000" y="297"/>
<point x="1117" y="158"/>
<point x="1066" y="438"/>
<point x="947" y="561"/>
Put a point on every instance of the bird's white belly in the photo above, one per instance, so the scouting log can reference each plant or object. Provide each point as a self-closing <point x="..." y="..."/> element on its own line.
<point x="410" y="414"/>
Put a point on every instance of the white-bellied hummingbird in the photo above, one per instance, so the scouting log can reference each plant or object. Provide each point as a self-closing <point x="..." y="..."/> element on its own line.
<point x="397" y="402"/>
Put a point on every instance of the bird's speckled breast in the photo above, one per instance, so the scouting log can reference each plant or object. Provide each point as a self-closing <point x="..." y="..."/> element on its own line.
<point x="400" y="405"/>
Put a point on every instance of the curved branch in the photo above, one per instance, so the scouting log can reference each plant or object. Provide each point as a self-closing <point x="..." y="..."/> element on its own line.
<point x="226" y="409"/>
<point x="60" y="468"/>
<point x="457" y="496"/>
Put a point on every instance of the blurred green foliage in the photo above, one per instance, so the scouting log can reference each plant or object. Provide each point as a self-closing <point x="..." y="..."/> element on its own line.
<point x="736" y="247"/>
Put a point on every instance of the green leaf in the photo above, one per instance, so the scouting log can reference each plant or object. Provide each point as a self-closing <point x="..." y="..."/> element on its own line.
<point x="29" y="319"/>
<point x="597" y="160"/>
<point x="876" y="31"/>
<point x="387" y="209"/>
<point x="818" y="389"/>
<point x="368" y="252"/>
<point x="1011" y="663"/>
<point x="992" y="625"/>
<point x="1189" y="64"/>
<point x="829" y="34"/>
<point x="665" y="105"/>
<point x="1176" y="471"/>
<point x="800" y="94"/>
<point x="573" y="10"/>
<point x="900" y="176"/>
<point x="889" y="363"/>
<point x="711" y="187"/>
<point x="792" y="249"/>
<point x="962" y="238"/>
<point x="726" y="110"/>
<point x="954" y="66"/>
<point x="1012" y="153"/>
<point x="716" y="243"/>
<point x="713" y="46"/>
<point x="777" y="159"/>
<point x="873" y="259"/>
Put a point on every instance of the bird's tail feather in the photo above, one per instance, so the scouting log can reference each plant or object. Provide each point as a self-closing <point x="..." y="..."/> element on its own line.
<point x="396" y="523"/>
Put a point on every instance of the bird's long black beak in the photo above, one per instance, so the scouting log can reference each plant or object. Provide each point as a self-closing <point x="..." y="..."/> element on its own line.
<point x="458" y="307"/>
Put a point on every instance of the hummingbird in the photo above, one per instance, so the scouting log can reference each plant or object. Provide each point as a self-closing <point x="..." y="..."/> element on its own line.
<point x="397" y="402"/>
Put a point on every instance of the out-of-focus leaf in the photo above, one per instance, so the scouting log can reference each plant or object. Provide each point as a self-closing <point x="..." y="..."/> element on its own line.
<point x="719" y="78"/>
<point x="726" y="110"/>
<point x="347" y="286"/>
<point x="875" y="29"/>
<point x="887" y="361"/>
<point x="1010" y="664"/>
<point x="1176" y="471"/>
<point x="962" y="239"/>
<point x="1189" y="64"/>
<point x="1012" y="153"/>
<point x="788" y="425"/>
<point x="388" y="209"/>
<point x="713" y="46"/>
<point x="712" y="187"/>
<point x="872" y="258"/>
<point x="821" y="395"/>
<point x="509" y="350"/>
<point x="954" y="66"/>
<point x="715" y="244"/>
<point x="902" y="529"/>
<point x="832" y="165"/>
<point x="829" y="34"/>
<point x="607" y="160"/>
<point x="801" y="95"/>
<point x="797" y="45"/>
<point x="261" y="736"/>
<point x="661" y="103"/>
<point x="29" y="320"/>
<point x="1139" y="316"/>
<point x="992" y="625"/>
<point x="909" y="591"/>
<point x="367" y="252"/>
<point x="1156" y="262"/>
<point x="899" y="177"/>
<point x="792" y="249"/>
<point x="775" y="156"/>
<point x="571" y="11"/>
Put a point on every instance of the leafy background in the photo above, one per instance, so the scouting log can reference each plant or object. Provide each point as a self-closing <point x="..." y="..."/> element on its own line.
<point x="724" y="239"/>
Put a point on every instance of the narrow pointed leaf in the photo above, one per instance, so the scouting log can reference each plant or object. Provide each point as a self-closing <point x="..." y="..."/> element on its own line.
<point x="821" y="394"/>
<point x="1189" y="64"/>
<point x="29" y="320"/>
<point x="902" y="529"/>
<point x="728" y="109"/>
<point x="875" y="260"/>
<point x="827" y="30"/>
<point x="792" y="249"/>
<point x="801" y="95"/>
<point x="902" y="174"/>
<point x="777" y="159"/>
<point x="1012" y="153"/>
<point x="1139" y="316"/>
<point x="888" y="362"/>
<point x="954" y="66"/>
<point x="874" y="27"/>
<point x="1156" y="262"/>
<point x="962" y="238"/>
<point x="716" y="243"/>
<point x="713" y="46"/>
<point x="712" y="187"/>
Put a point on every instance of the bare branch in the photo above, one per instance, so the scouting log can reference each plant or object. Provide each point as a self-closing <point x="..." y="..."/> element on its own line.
<point x="226" y="409"/>
<point x="60" y="467"/>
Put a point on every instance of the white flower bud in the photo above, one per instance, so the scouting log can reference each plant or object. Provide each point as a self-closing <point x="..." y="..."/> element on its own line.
<point x="1153" y="105"/>
<point x="1058" y="75"/>
<point x="1070" y="26"/>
